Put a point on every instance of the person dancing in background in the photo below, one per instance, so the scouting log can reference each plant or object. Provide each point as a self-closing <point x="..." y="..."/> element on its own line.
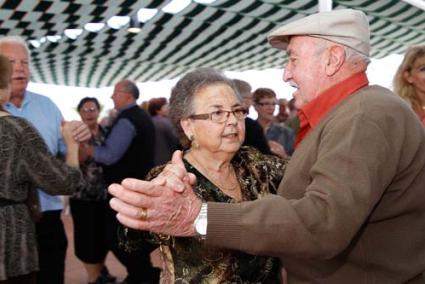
<point x="26" y="163"/>
<point x="128" y="151"/>
<point x="280" y="137"/>
<point x="46" y="117"/>
<point x="166" y="141"/>
<point x="409" y="80"/>
<point x="89" y="204"/>
<point x="254" y="135"/>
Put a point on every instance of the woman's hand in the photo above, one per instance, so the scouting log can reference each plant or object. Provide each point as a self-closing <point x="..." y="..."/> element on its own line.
<point x="67" y="129"/>
<point x="72" y="146"/>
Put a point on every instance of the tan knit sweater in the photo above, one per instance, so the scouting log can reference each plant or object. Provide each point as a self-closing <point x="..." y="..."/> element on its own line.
<point x="351" y="207"/>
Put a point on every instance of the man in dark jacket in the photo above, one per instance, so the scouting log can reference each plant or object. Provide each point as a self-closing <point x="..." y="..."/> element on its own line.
<point x="128" y="152"/>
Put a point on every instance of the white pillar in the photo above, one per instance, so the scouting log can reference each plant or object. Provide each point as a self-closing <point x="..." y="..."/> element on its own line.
<point x="325" y="5"/>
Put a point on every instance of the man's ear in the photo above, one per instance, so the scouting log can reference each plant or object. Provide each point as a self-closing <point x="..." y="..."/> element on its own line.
<point x="335" y="60"/>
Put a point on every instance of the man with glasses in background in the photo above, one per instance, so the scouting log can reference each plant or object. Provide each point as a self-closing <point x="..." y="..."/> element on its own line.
<point x="128" y="151"/>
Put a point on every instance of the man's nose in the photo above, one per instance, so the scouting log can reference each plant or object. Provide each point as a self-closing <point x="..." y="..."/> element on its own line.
<point x="287" y="74"/>
<point x="18" y="66"/>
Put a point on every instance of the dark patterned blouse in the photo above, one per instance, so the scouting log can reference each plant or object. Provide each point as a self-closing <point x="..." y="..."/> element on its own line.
<point x="189" y="260"/>
<point x="95" y="189"/>
<point x="25" y="162"/>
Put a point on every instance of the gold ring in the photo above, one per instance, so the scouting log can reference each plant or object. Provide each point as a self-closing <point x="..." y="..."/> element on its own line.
<point x="143" y="213"/>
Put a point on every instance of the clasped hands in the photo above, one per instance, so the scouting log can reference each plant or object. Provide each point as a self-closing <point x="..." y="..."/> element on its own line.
<point x="75" y="131"/>
<point x="166" y="204"/>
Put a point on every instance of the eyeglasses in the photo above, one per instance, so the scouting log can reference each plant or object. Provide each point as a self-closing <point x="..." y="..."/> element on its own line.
<point x="220" y="116"/>
<point x="91" y="109"/>
<point x="267" y="104"/>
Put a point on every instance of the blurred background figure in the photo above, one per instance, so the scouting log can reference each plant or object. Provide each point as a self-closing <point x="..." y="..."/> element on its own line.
<point x="128" y="152"/>
<point x="89" y="204"/>
<point x="409" y="81"/>
<point x="25" y="164"/>
<point x="293" y="122"/>
<point x="276" y="134"/>
<point x="145" y="106"/>
<point x="283" y="114"/>
<point x="254" y="135"/>
<point x="166" y="141"/>
<point x="108" y="120"/>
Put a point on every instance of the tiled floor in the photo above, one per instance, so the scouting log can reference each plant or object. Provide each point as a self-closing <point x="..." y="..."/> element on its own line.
<point x="74" y="270"/>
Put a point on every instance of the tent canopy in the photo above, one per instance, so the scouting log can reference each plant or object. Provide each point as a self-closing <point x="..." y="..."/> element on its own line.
<point x="226" y="35"/>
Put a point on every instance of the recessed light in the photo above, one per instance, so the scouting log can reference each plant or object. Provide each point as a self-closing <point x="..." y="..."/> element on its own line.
<point x="94" y="27"/>
<point x="176" y="6"/>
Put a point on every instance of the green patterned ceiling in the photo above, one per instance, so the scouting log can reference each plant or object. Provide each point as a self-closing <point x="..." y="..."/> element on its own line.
<point x="226" y="34"/>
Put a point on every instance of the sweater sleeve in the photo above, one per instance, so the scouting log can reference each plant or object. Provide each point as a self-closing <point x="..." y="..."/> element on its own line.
<point x="44" y="170"/>
<point x="345" y="181"/>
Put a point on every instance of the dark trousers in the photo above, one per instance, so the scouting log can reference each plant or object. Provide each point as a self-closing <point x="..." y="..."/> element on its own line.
<point x="23" y="279"/>
<point x="138" y="263"/>
<point x="52" y="244"/>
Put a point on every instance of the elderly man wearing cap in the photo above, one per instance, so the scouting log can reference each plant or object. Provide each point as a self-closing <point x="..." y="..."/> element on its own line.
<point x="350" y="208"/>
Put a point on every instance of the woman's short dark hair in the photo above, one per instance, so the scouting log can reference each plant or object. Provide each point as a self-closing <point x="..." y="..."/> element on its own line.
<point x="182" y="94"/>
<point x="155" y="105"/>
<point x="88" y="99"/>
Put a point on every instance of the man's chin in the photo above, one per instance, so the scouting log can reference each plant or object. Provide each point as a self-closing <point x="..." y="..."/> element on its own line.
<point x="299" y="102"/>
<point x="19" y="85"/>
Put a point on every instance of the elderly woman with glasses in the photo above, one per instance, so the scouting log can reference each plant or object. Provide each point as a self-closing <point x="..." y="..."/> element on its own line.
<point x="207" y="111"/>
<point x="89" y="204"/>
<point x="280" y="137"/>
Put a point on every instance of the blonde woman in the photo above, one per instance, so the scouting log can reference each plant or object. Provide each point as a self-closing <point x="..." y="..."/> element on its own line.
<point x="409" y="81"/>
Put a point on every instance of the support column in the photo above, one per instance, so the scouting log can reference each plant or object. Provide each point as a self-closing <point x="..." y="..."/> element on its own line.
<point x="325" y="5"/>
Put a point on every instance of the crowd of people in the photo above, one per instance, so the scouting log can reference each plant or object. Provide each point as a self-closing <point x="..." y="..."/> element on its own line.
<point x="324" y="188"/>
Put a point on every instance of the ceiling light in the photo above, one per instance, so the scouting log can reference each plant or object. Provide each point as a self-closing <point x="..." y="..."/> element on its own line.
<point x="176" y="6"/>
<point x="205" y="1"/>
<point x="117" y="22"/>
<point x="73" y="33"/>
<point x="145" y="14"/>
<point x="35" y="43"/>
<point x="54" y="38"/>
<point x="94" y="27"/>
<point x="135" y="26"/>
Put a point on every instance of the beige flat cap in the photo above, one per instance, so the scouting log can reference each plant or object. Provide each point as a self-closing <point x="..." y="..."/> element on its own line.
<point x="348" y="27"/>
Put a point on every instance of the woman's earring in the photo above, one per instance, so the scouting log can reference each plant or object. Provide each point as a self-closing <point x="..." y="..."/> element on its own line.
<point x="193" y="142"/>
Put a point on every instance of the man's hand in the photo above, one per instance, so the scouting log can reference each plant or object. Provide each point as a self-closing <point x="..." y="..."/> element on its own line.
<point x="81" y="131"/>
<point x="166" y="205"/>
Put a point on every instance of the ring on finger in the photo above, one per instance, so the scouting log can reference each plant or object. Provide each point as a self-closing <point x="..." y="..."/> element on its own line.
<point x="143" y="213"/>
